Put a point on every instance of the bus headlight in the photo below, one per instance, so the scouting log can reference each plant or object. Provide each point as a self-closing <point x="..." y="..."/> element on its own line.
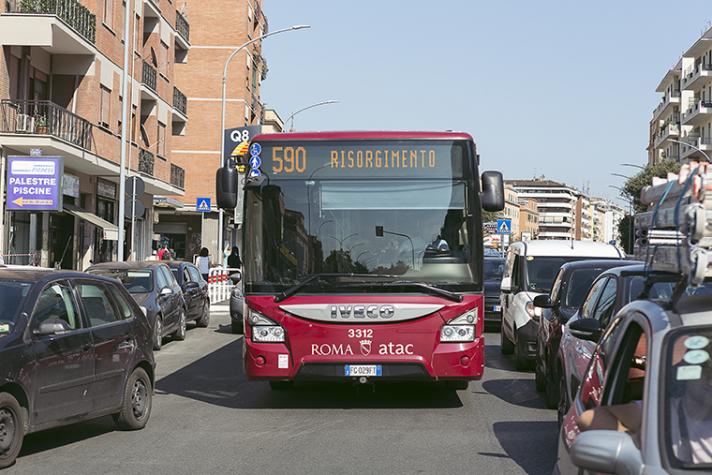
<point x="460" y="329"/>
<point x="265" y="330"/>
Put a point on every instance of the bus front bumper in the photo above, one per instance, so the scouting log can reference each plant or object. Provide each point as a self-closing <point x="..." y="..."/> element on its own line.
<point x="449" y="361"/>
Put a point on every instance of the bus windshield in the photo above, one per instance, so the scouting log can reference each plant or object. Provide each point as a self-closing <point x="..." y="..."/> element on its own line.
<point x="415" y="221"/>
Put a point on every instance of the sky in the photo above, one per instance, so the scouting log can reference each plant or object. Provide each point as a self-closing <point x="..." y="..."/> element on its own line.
<point x="559" y="88"/>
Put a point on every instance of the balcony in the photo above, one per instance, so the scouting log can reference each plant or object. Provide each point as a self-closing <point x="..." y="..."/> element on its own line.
<point x="183" y="29"/>
<point x="668" y="131"/>
<point x="177" y="176"/>
<point x="57" y="26"/>
<point x="180" y="102"/>
<point x="687" y="152"/>
<point x="697" y="113"/>
<point x="45" y="118"/>
<point x="145" y="162"/>
<point x="697" y="77"/>
<point x="149" y="76"/>
<point x="664" y="106"/>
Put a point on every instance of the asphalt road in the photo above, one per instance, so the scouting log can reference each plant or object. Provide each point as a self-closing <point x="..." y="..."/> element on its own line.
<point x="208" y="419"/>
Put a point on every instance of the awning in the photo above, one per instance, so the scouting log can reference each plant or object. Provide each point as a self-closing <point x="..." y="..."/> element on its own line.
<point x="111" y="231"/>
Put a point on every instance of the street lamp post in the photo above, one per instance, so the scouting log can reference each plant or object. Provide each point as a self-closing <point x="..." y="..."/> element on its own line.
<point x="322" y="103"/>
<point x="633" y="165"/>
<point x="222" y="109"/>
<point x="621" y="175"/>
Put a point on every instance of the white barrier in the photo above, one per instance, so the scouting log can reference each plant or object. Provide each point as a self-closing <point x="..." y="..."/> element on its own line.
<point x="219" y="284"/>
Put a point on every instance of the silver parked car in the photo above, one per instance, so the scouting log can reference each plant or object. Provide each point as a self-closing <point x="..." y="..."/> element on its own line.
<point x="644" y="405"/>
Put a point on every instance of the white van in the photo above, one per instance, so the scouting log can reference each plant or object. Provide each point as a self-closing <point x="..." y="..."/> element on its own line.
<point x="529" y="271"/>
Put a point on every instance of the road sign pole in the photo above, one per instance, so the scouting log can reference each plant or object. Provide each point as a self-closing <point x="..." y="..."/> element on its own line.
<point x="133" y="215"/>
<point x="3" y="228"/>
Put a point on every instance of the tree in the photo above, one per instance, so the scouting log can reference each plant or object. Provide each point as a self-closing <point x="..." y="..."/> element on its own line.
<point x="636" y="183"/>
<point x="625" y="231"/>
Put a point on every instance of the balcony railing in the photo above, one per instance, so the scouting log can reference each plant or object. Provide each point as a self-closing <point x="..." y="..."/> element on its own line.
<point x="45" y="118"/>
<point x="180" y="102"/>
<point x="182" y="26"/>
<point x="71" y="12"/>
<point x="177" y="176"/>
<point x="149" y="76"/>
<point x="145" y="162"/>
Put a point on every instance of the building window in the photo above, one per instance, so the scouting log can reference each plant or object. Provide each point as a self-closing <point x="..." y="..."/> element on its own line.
<point x="109" y="13"/>
<point x="105" y="107"/>
<point x="161" y="140"/>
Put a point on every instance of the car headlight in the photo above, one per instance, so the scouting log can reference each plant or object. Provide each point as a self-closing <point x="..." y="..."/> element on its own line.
<point x="265" y="330"/>
<point x="460" y="329"/>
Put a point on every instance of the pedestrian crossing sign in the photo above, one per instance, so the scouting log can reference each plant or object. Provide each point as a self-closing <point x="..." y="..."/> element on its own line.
<point x="202" y="205"/>
<point x="504" y="226"/>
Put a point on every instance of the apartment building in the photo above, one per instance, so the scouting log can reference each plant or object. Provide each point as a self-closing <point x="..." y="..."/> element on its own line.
<point x="60" y="95"/>
<point x="511" y="210"/>
<point x="607" y="219"/>
<point x="685" y="111"/>
<point x="557" y="206"/>
<point x="196" y="147"/>
<point x="528" y="220"/>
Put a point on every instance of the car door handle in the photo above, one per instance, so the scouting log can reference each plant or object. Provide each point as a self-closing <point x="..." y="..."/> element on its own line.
<point x="126" y="345"/>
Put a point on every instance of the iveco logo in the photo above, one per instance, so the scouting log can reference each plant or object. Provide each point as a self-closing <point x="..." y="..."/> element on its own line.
<point x="354" y="312"/>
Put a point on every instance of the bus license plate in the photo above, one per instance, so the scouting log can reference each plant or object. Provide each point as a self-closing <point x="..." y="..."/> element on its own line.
<point x="362" y="370"/>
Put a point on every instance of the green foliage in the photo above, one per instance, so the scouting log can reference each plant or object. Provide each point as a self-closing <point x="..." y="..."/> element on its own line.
<point x="625" y="231"/>
<point x="636" y="183"/>
<point x="489" y="216"/>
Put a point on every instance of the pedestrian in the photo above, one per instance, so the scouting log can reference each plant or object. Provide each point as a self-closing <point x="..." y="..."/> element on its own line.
<point x="162" y="251"/>
<point x="203" y="263"/>
<point x="233" y="260"/>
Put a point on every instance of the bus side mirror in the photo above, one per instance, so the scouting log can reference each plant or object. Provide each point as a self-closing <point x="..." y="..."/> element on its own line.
<point x="492" y="194"/>
<point x="226" y="187"/>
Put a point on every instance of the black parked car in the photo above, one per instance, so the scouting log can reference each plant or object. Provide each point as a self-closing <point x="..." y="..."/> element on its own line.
<point x="568" y="292"/>
<point x="493" y="271"/>
<point x="153" y="286"/>
<point x="195" y="291"/>
<point x="72" y="347"/>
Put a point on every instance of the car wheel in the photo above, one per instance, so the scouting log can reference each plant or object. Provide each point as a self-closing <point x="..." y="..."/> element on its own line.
<point x="520" y="354"/>
<point x="158" y="334"/>
<point x="551" y="391"/>
<point x="204" y="320"/>
<point x="236" y="327"/>
<point x="12" y="429"/>
<point x="506" y="346"/>
<point x="182" y="326"/>
<point x="563" y="406"/>
<point x="138" y="400"/>
<point x="281" y="385"/>
<point x="539" y="376"/>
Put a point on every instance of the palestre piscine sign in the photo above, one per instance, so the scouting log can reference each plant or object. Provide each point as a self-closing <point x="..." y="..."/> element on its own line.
<point x="34" y="183"/>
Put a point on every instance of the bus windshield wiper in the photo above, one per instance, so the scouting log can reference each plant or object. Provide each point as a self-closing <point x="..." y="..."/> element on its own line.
<point x="427" y="287"/>
<point x="296" y="288"/>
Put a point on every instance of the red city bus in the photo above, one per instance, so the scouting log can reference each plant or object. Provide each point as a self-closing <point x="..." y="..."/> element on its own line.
<point x="363" y="257"/>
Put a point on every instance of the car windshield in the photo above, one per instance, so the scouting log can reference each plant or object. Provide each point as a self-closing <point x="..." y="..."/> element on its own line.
<point x="136" y="281"/>
<point x="12" y="296"/>
<point x="579" y="283"/>
<point x="687" y="392"/>
<point x="541" y="271"/>
<point x="494" y="269"/>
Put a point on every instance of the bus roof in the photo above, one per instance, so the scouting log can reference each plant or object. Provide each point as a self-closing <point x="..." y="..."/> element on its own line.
<point x="363" y="135"/>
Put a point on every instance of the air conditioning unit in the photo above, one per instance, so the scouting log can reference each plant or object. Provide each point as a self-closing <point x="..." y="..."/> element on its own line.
<point x="25" y="123"/>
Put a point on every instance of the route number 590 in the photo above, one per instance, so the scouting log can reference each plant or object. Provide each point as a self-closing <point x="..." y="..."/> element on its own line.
<point x="289" y="160"/>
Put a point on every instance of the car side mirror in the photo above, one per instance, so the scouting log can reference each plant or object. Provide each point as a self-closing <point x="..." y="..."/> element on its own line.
<point x="236" y="277"/>
<point x="586" y="329"/>
<point x="50" y="328"/>
<point x="543" y="301"/>
<point x="606" y="451"/>
<point x="166" y="291"/>
<point x="492" y="194"/>
<point x="506" y="285"/>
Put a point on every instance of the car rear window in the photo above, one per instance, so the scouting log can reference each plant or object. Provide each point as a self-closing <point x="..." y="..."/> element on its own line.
<point x="136" y="281"/>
